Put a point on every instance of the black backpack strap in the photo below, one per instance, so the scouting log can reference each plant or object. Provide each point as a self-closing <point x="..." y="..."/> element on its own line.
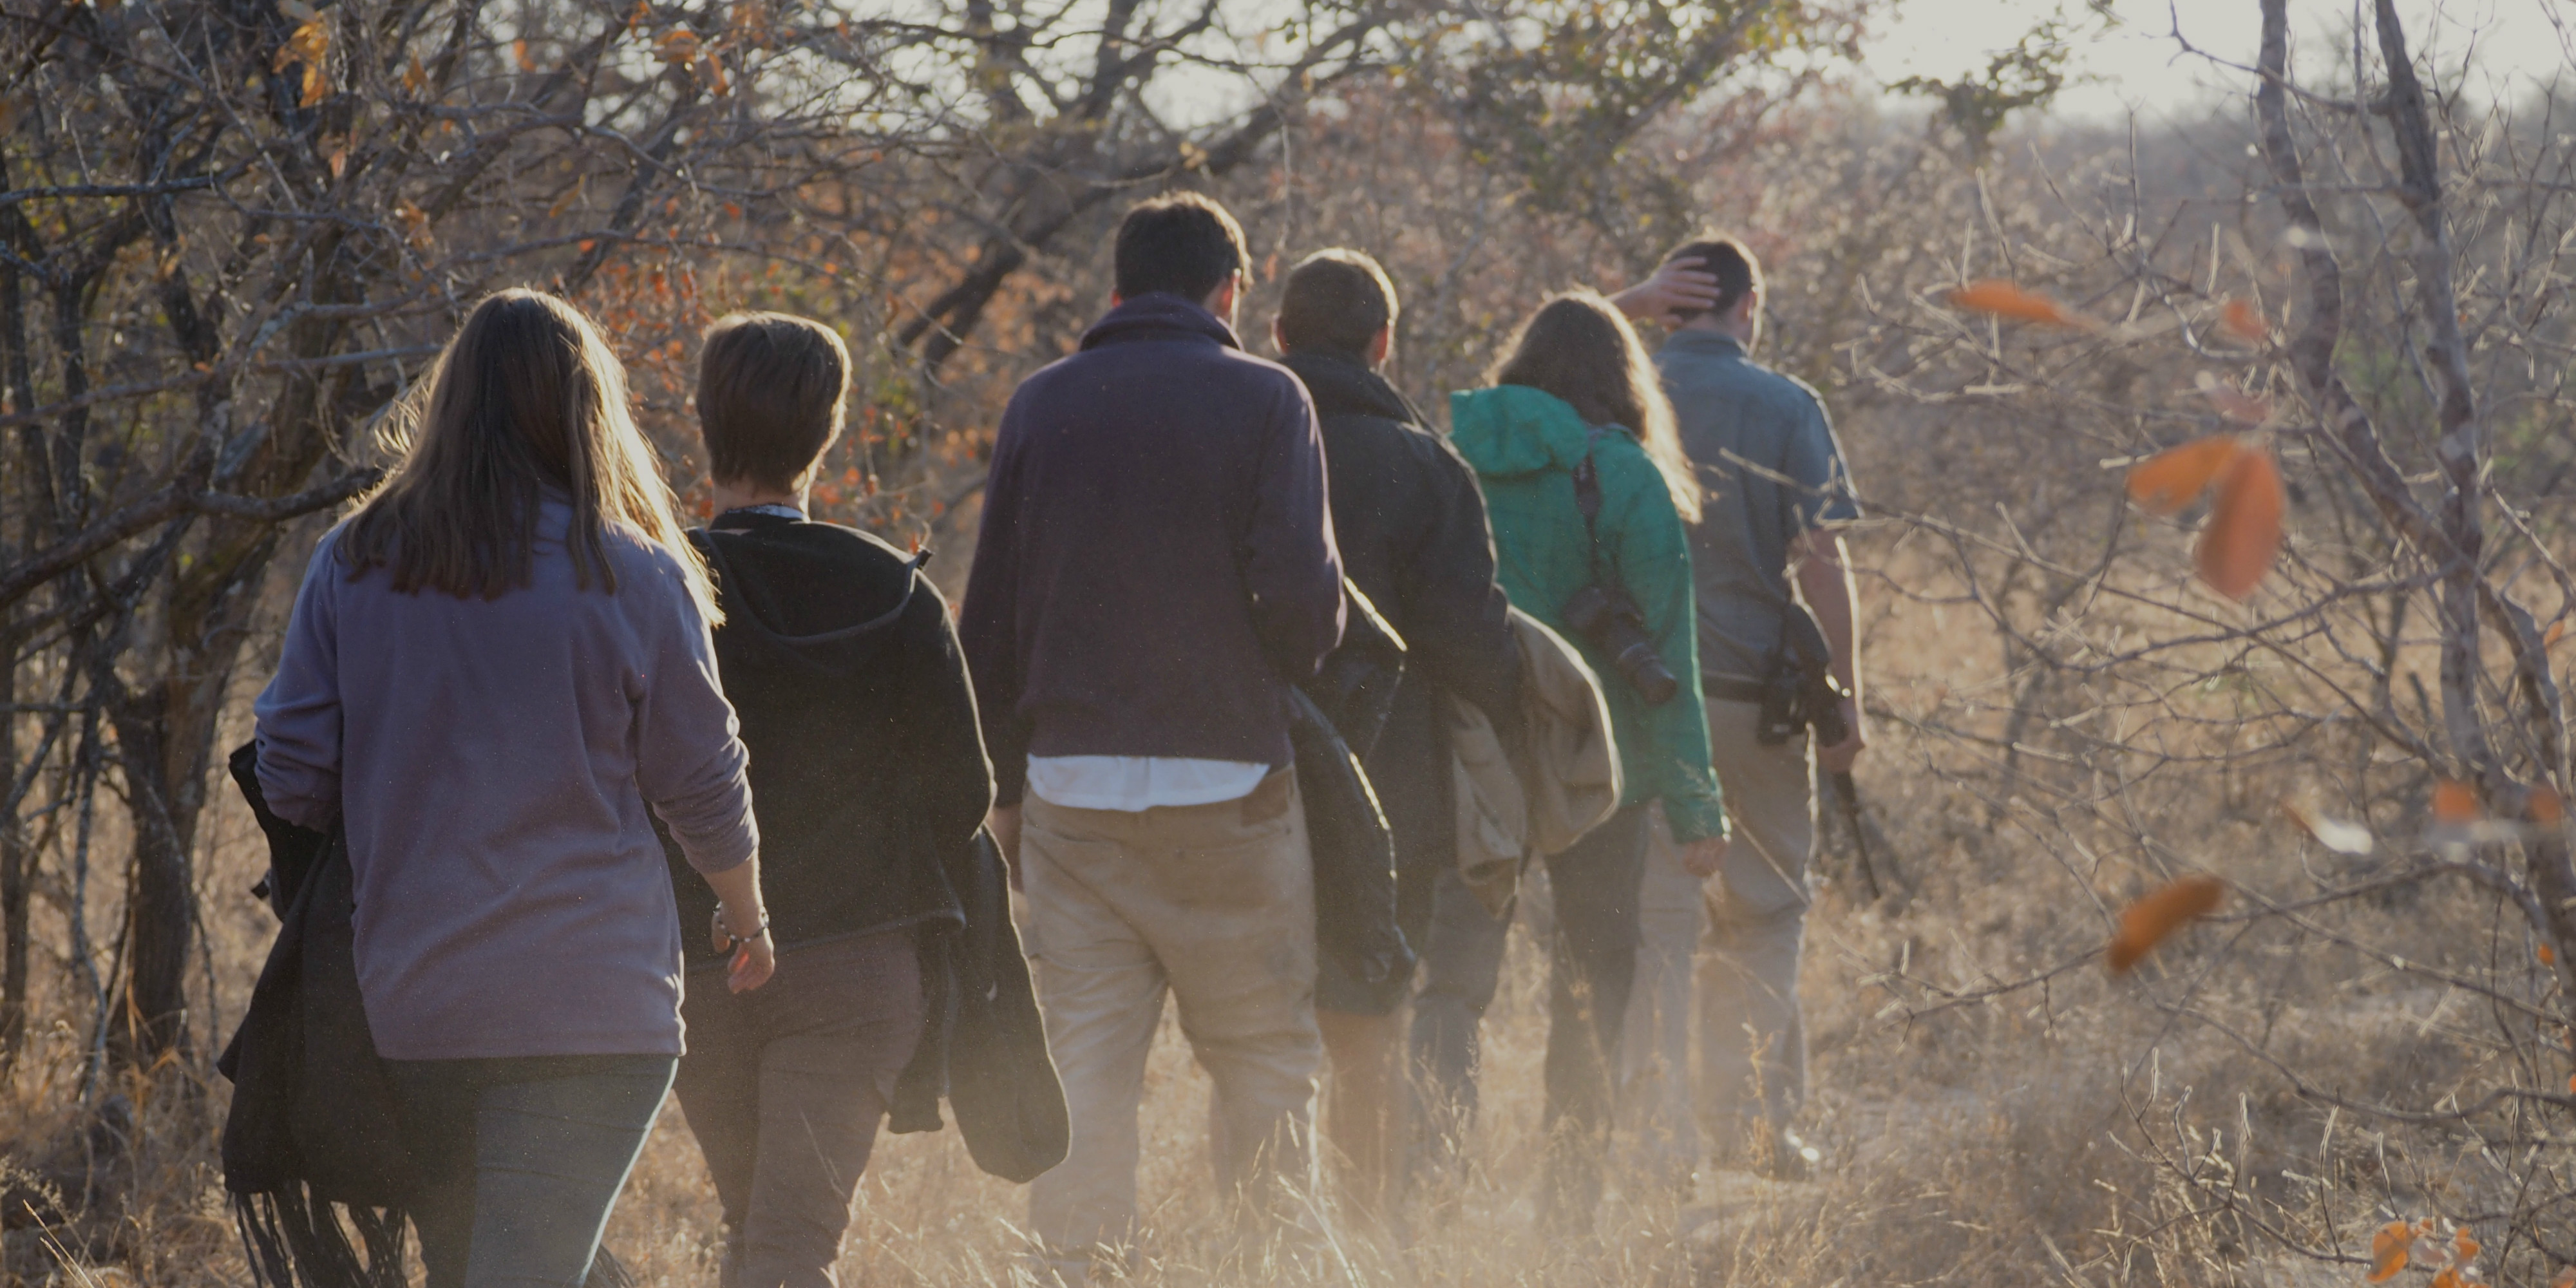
<point x="1587" y="496"/>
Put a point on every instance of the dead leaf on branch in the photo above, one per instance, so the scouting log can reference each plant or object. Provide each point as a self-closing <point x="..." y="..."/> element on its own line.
<point x="2456" y="803"/>
<point x="2154" y="918"/>
<point x="2171" y="479"/>
<point x="2244" y="532"/>
<point x="2241" y="319"/>
<point x="2388" y="1250"/>
<point x="677" y="47"/>
<point x="309" y="44"/>
<point x="2008" y="300"/>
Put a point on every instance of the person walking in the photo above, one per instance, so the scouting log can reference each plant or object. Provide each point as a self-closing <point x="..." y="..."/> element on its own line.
<point x="1155" y="567"/>
<point x="497" y="674"/>
<point x="1410" y="525"/>
<point x="1764" y="441"/>
<point x="1658" y="1103"/>
<point x="1589" y="495"/>
<point x="868" y="763"/>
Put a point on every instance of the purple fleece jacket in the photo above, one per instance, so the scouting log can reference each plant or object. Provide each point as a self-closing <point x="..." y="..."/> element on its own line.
<point x="1156" y="562"/>
<point x="493" y="759"/>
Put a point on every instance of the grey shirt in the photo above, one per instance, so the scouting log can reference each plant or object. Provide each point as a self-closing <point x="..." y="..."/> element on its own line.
<point x="494" y="760"/>
<point x="1733" y="410"/>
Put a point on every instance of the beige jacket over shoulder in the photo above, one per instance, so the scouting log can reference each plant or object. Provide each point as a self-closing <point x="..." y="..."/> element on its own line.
<point x="1542" y="796"/>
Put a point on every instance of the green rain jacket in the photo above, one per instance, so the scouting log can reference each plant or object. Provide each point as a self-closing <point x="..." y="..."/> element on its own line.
<point x="1524" y="445"/>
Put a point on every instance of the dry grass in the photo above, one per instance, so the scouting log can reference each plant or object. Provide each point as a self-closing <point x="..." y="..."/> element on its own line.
<point x="2057" y="1134"/>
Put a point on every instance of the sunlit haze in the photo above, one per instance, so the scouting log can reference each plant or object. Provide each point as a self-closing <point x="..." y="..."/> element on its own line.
<point x="2137" y="63"/>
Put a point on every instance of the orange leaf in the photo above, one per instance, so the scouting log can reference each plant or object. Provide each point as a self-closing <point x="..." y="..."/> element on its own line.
<point x="2150" y="920"/>
<point x="2241" y="319"/>
<point x="2556" y="632"/>
<point x="2455" y="802"/>
<point x="2003" y="299"/>
<point x="2171" y="479"/>
<point x="2465" y="1245"/>
<point x="2548" y="955"/>
<point x="2546" y="808"/>
<point x="676" y="47"/>
<point x="2244" y="532"/>
<point x="2566" y="1278"/>
<point x="2388" y="1250"/>
<point x="2448" y="1278"/>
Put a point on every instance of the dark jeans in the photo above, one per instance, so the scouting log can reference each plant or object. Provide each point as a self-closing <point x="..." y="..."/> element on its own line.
<point x="1592" y="963"/>
<point x="521" y="1160"/>
<point x="785" y="1087"/>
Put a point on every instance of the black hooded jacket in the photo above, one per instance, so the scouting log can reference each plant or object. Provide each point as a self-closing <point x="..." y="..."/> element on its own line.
<point x="867" y="761"/>
<point x="1410" y="526"/>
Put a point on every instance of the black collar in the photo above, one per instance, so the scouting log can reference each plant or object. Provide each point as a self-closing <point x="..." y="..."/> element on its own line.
<point x="750" y="517"/>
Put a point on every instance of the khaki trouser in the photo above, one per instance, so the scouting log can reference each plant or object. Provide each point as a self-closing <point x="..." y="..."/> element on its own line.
<point x="1655" y="1094"/>
<point x="1753" y="1044"/>
<point x="1214" y="904"/>
<point x="785" y="1087"/>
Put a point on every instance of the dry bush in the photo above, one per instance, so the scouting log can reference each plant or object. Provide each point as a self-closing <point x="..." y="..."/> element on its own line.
<point x="2065" y="719"/>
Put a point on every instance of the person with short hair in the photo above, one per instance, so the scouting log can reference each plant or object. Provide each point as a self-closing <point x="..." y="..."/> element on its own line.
<point x="1410" y="524"/>
<point x="1155" y="568"/>
<point x="1573" y="422"/>
<point x="496" y="677"/>
<point x="868" y="762"/>
<point x="1778" y="528"/>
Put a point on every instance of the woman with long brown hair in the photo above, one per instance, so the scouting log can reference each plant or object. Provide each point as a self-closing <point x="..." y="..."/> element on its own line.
<point x="498" y="672"/>
<point x="1584" y="477"/>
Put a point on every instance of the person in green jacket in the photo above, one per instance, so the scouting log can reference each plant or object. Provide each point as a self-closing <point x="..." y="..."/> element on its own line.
<point x="1576" y="387"/>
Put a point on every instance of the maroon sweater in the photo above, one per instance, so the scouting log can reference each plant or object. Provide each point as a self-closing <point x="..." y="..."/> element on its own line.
<point x="1156" y="563"/>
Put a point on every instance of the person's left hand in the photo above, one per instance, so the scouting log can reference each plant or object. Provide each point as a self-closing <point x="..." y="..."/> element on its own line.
<point x="754" y="961"/>
<point x="1702" y="857"/>
<point x="1672" y="290"/>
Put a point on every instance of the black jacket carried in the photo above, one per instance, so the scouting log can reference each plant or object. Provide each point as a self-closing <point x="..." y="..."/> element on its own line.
<point x="312" y="1148"/>
<point x="1411" y="528"/>
<point x="1336" y="718"/>
<point x="985" y="1048"/>
<point x="867" y="760"/>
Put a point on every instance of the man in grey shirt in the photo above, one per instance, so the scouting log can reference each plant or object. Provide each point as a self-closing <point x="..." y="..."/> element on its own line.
<point x="1778" y="492"/>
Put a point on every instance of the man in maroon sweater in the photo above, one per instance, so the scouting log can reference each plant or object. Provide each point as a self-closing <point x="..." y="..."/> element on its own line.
<point x="1156" y="567"/>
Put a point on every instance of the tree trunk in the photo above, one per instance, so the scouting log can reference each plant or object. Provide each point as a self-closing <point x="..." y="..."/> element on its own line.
<point x="14" y="863"/>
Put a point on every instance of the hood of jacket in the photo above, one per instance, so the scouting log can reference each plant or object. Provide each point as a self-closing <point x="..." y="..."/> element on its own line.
<point x="1157" y="315"/>
<point x="813" y="596"/>
<point x="1513" y="429"/>
<point x="1344" y="386"/>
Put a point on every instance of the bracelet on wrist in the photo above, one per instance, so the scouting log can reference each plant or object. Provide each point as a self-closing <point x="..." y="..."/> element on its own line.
<point x="726" y="940"/>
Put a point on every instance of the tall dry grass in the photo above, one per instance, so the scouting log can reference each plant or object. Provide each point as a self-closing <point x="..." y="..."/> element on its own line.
<point x="2062" y="1133"/>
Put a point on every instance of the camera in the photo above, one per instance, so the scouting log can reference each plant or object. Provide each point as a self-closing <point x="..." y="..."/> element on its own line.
<point x="1614" y="624"/>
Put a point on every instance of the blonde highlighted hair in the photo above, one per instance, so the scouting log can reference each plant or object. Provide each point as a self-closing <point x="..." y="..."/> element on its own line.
<point x="1579" y="347"/>
<point x="527" y="399"/>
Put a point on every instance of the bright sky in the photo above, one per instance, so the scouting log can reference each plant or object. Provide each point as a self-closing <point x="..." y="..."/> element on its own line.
<point x="2515" y="45"/>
